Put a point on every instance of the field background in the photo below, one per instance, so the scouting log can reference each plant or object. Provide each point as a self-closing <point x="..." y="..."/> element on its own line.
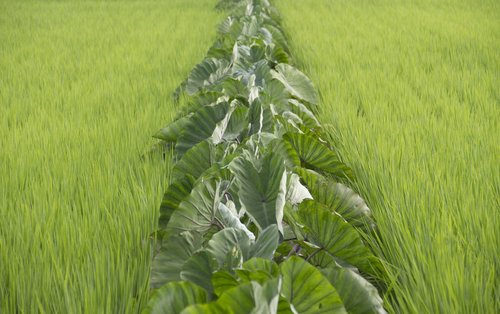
<point x="83" y="86"/>
<point x="413" y="89"/>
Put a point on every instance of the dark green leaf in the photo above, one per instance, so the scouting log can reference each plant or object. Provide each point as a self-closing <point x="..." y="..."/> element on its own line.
<point x="201" y="126"/>
<point x="196" y="160"/>
<point x="266" y="243"/>
<point x="197" y="212"/>
<point x="307" y="290"/>
<point x="358" y="295"/>
<point x="256" y="264"/>
<point x="262" y="191"/>
<point x="171" y="132"/>
<point x="174" y="297"/>
<point x="315" y="155"/>
<point x="177" y="191"/>
<point x="222" y="281"/>
<point x="198" y="269"/>
<point x="209" y="72"/>
<point x="339" y="198"/>
<point x="295" y="82"/>
<point x="336" y="236"/>
<point x="224" y="242"/>
<point x="175" y="250"/>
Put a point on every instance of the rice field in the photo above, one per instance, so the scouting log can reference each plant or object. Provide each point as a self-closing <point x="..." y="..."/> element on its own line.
<point x="411" y="91"/>
<point x="83" y="87"/>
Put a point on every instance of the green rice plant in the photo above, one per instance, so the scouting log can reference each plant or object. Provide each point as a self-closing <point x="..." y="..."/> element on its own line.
<point x="259" y="217"/>
<point x="83" y="86"/>
<point x="411" y="90"/>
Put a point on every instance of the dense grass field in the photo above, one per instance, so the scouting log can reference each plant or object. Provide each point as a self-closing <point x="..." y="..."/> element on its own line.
<point x="412" y="89"/>
<point x="83" y="86"/>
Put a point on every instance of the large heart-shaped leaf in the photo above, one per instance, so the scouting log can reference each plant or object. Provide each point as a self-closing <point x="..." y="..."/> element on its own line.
<point x="197" y="212"/>
<point x="175" y="297"/>
<point x="196" y="160"/>
<point x="358" y="295"/>
<point x="307" y="290"/>
<point x="175" y="251"/>
<point x="171" y="132"/>
<point x="198" y="269"/>
<point x="262" y="264"/>
<point x="315" y="155"/>
<point x="262" y="191"/>
<point x="177" y="191"/>
<point x="224" y="242"/>
<point x="266" y="243"/>
<point x="201" y="125"/>
<point x="339" y="198"/>
<point x="230" y="218"/>
<point x="260" y="118"/>
<point x="296" y="82"/>
<point x="333" y="234"/>
<point x="222" y="280"/>
<point x="304" y="113"/>
<point x="208" y="73"/>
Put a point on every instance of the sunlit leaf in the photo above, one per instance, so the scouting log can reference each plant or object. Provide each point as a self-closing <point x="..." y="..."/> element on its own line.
<point x="174" y="297"/>
<point x="307" y="290"/>
<point x="295" y="82"/>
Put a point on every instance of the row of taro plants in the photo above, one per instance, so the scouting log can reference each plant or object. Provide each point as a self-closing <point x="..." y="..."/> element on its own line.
<point x="258" y="217"/>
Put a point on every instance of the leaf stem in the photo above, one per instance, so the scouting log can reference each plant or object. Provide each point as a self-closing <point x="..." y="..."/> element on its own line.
<point x="295" y="250"/>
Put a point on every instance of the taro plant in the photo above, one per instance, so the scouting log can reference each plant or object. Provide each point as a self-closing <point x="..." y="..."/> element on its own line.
<point x="259" y="217"/>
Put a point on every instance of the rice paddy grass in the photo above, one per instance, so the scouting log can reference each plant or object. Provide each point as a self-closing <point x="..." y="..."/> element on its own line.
<point x="411" y="92"/>
<point x="83" y="86"/>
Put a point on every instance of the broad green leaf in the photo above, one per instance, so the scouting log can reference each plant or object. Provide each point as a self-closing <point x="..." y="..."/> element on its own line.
<point x="196" y="160"/>
<point x="260" y="118"/>
<point x="235" y="88"/>
<point x="251" y="298"/>
<point x="339" y="198"/>
<point x="262" y="264"/>
<point x="262" y="73"/>
<point x="177" y="191"/>
<point x="261" y="191"/>
<point x="305" y="288"/>
<point x="304" y="113"/>
<point x="171" y="132"/>
<point x="237" y="124"/>
<point x="239" y="299"/>
<point x="175" y="251"/>
<point x="295" y="82"/>
<point x="209" y="72"/>
<point x="201" y="126"/>
<point x="259" y="276"/>
<point x="336" y="236"/>
<point x="275" y="93"/>
<point x="276" y="54"/>
<point x="315" y="155"/>
<point x="266" y="243"/>
<point x="225" y="26"/>
<point x="208" y="308"/>
<point x="250" y="27"/>
<point x="296" y="192"/>
<point x="358" y="295"/>
<point x="230" y="219"/>
<point x="225" y="241"/>
<point x="197" y="212"/>
<point x="278" y="37"/>
<point x="174" y="297"/>
<point x="198" y="269"/>
<point x="286" y="151"/>
<point x="222" y="281"/>
<point x="267" y="296"/>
